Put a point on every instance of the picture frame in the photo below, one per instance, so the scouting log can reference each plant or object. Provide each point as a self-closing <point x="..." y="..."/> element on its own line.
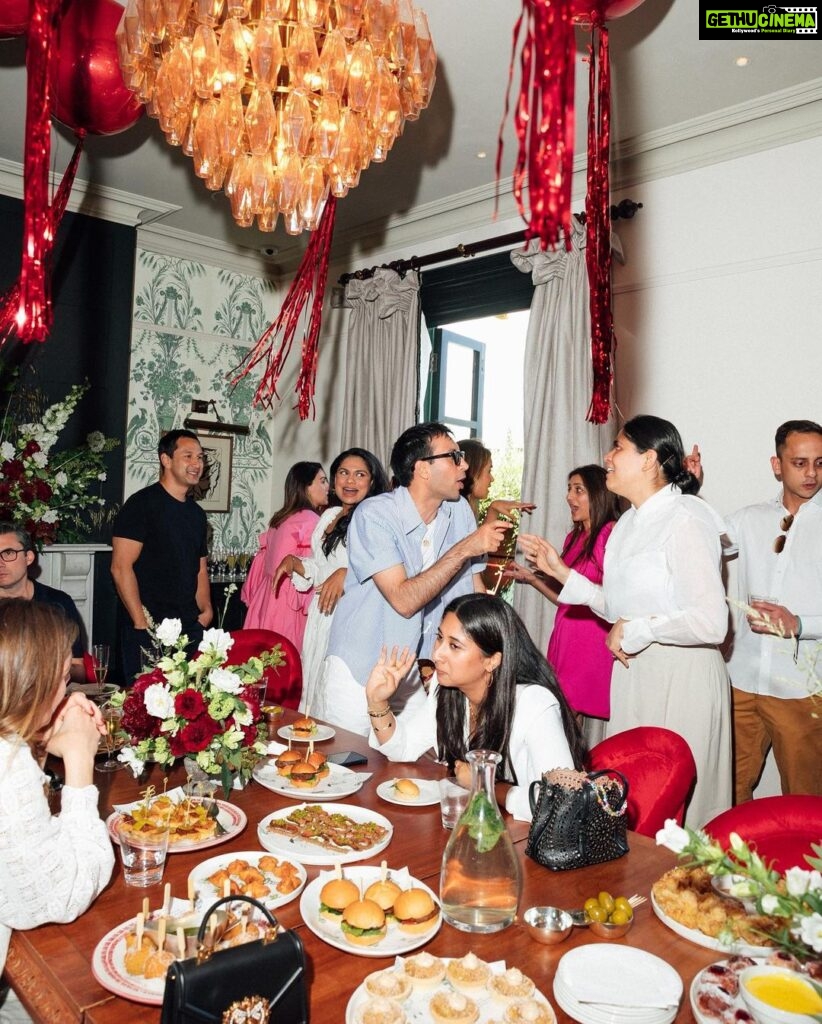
<point x="213" y="493"/>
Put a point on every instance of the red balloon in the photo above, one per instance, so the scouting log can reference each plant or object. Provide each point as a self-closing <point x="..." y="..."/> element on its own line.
<point x="583" y="10"/>
<point x="14" y="17"/>
<point x="87" y="88"/>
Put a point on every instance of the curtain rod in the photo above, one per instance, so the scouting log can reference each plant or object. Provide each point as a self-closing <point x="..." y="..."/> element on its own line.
<point x="624" y="211"/>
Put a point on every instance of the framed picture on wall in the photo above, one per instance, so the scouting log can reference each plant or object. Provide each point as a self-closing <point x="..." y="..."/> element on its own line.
<point x="214" y="490"/>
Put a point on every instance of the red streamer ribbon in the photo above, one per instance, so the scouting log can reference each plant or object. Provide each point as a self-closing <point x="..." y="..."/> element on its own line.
<point x="10" y="302"/>
<point x="598" y="223"/>
<point x="310" y="278"/>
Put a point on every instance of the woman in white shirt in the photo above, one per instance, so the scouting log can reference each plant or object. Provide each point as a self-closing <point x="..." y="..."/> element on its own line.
<point x="662" y="589"/>
<point x="492" y="690"/>
<point x="51" y="865"/>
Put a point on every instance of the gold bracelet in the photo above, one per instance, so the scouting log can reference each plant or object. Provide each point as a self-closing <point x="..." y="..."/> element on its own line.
<point x="384" y="727"/>
<point x="380" y="714"/>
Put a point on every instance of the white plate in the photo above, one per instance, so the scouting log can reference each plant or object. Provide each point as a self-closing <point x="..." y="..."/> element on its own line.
<point x="600" y="1013"/>
<point x="737" y="1003"/>
<point x="108" y="967"/>
<point x="416" y="1006"/>
<point x="338" y="783"/>
<point x="198" y="877"/>
<point x="396" y="941"/>
<point x="701" y="939"/>
<point x="608" y="977"/>
<point x="429" y="793"/>
<point x="324" y="732"/>
<point x="310" y="853"/>
<point x="229" y="816"/>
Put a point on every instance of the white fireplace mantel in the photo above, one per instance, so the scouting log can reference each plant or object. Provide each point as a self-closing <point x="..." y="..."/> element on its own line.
<point x="70" y="567"/>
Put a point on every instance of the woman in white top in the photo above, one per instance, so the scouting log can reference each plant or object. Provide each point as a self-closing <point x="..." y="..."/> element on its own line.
<point x="662" y="589"/>
<point x="51" y="865"/>
<point x="356" y="474"/>
<point x="492" y="690"/>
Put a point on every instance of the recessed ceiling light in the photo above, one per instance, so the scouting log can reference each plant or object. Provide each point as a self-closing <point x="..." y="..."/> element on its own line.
<point x="481" y="155"/>
<point x="742" y="62"/>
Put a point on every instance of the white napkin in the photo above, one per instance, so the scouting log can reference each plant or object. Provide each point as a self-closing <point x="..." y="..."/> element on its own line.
<point x="620" y="977"/>
<point x="276" y="748"/>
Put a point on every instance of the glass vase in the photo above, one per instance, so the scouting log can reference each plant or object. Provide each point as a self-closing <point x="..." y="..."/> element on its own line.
<point x="480" y="879"/>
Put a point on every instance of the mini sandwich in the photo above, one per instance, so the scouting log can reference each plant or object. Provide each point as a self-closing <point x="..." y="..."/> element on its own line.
<point x="384" y="894"/>
<point x="319" y="762"/>
<point x="335" y="896"/>
<point x="415" y="912"/>
<point x="303" y="775"/>
<point x="304" y="728"/>
<point x="363" y="923"/>
<point x="406" y="789"/>
<point x="286" y="761"/>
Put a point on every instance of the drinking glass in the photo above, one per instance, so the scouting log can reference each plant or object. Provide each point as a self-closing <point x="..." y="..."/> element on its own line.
<point x="453" y="801"/>
<point x="111" y="717"/>
<point x="100" y="653"/>
<point x="143" y="855"/>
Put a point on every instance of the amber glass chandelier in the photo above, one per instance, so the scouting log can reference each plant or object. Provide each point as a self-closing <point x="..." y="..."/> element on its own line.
<point x="279" y="102"/>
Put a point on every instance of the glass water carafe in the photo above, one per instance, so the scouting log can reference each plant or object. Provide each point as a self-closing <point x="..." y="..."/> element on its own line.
<point x="480" y="879"/>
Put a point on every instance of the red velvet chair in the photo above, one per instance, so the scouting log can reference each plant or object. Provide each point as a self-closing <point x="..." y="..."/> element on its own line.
<point x="285" y="683"/>
<point x="660" y="770"/>
<point x="782" y="827"/>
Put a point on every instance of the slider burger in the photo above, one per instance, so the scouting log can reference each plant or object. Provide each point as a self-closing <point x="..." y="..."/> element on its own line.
<point x="415" y="912"/>
<point x="304" y="728"/>
<point x="384" y="894"/>
<point x="335" y="896"/>
<point x="406" y="789"/>
<point x="320" y="763"/>
<point x="303" y="775"/>
<point x="363" y="923"/>
<point x="286" y="761"/>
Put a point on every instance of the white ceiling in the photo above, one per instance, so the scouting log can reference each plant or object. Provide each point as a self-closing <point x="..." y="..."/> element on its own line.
<point x="663" y="75"/>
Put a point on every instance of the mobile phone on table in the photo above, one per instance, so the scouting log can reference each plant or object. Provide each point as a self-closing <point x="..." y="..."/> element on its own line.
<point x="348" y="758"/>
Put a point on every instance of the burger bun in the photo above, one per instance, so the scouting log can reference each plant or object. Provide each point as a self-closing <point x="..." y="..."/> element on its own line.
<point x="415" y="911"/>
<point x="363" y="923"/>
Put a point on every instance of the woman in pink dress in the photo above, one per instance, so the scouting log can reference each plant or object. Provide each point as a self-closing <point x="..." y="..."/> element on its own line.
<point x="284" y="609"/>
<point x="581" y="661"/>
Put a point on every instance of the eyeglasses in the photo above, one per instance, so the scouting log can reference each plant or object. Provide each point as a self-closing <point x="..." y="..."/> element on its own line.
<point x="785" y="525"/>
<point x="9" y="554"/>
<point x="456" y="456"/>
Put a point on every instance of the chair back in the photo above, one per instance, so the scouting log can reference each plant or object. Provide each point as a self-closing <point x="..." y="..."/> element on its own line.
<point x="660" y="770"/>
<point x="781" y="827"/>
<point x="285" y="683"/>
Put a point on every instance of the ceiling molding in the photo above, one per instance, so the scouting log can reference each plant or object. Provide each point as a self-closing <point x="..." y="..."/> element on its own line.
<point x="167" y="241"/>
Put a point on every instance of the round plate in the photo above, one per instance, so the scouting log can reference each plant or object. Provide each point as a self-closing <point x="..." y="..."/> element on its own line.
<point x="198" y="878"/>
<point x="429" y="793"/>
<point x="701" y="939"/>
<point x="324" y="732"/>
<point x="338" y="783"/>
<point x="229" y="816"/>
<point x="736" y="1003"/>
<point x="416" y="1006"/>
<point x="108" y="967"/>
<point x="396" y="941"/>
<point x="607" y="978"/>
<point x="310" y="853"/>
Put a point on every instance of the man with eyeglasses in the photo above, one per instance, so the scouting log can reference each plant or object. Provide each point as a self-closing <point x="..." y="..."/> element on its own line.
<point x="779" y="543"/>
<point x="16" y="557"/>
<point x="410" y="552"/>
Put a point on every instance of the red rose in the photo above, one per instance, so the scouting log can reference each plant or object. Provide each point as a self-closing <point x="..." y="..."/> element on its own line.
<point x="189" y="704"/>
<point x="13" y="469"/>
<point x="42" y="490"/>
<point x="136" y="721"/>
<point x="197" y="734"/>
<point x="30" y="449"/>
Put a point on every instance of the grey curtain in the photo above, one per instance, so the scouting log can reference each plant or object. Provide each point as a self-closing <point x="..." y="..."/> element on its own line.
<point x="558" y="380"/>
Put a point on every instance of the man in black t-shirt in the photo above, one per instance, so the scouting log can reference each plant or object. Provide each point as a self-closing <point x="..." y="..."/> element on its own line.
<point x="159" y="552"/>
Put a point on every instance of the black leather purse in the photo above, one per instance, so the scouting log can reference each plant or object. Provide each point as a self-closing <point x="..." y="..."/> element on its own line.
<point x="258" y="982"/>
<point x="578" y="818"/>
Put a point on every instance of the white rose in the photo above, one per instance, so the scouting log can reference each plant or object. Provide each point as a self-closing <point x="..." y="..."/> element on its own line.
<point x="797" y="881"/>
<point x="6" y="451"/>
<point x="49" y="516"/>
<point x="672" y="836"/>
<point x="770" y="904"/>
<point x="168" y="632"/>
<point x="60" y="479"/>
<point x="810" y="931"/>
<point x="131" y="760"/>
<point x="40" y="459"/>
<point x="216" y="640"/>
<point x="225" y="680"/>
<point x="159" y="701"/>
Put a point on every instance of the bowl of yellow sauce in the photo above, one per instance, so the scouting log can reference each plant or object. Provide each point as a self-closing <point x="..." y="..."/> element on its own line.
<point x="775" y="995"/>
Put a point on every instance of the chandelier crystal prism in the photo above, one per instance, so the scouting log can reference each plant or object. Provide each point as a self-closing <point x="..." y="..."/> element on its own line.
<point x="279" y="102"/>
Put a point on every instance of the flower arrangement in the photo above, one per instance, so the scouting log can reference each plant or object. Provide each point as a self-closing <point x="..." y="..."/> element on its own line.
<point x="199" y="707"/>
<point x="796" y="896"/>
<point x="48" y="492"/>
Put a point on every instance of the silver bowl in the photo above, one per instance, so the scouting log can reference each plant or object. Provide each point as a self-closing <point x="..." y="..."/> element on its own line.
<point x="607" y="930"/>
<point x="548" y="924"/>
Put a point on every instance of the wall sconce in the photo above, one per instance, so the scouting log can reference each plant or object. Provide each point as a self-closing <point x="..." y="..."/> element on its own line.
<point x="218" y="426"/>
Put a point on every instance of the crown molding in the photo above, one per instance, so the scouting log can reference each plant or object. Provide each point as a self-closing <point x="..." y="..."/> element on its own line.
<point x="167" y="241"/>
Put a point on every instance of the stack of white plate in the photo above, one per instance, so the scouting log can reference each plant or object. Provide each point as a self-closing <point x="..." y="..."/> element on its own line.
<point x="598" y="984"/>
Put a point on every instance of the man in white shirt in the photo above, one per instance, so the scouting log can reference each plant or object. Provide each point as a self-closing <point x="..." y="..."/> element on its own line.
<point x="779" y="543"/>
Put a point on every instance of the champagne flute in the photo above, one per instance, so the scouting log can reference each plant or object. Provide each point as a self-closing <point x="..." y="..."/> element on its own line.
<point x="100" y="653"/>
<point x="111" y="718"/>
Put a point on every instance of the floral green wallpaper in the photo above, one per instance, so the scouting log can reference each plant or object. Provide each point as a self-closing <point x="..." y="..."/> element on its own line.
<point x="193" y="324"/>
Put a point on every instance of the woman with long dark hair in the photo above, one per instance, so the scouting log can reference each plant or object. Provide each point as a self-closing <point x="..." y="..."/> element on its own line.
<point x="275" y="603"/>
<point x="662" y="589"/>
<point x="492" y="690"/>
<point x="576" y="650"/>
<point x="356" y="474"/>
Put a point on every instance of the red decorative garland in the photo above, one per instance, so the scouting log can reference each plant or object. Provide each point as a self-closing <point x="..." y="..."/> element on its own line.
<point x="310" y="278"/>
<point x="10" y="302"/>
<point x="598" y="223"/>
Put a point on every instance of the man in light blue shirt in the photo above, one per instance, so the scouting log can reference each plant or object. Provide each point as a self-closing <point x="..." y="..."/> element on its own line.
<point x="410" y="552"/>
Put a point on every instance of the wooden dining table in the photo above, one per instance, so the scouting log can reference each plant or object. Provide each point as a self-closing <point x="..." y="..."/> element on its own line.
<point x="50" y="967"/>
